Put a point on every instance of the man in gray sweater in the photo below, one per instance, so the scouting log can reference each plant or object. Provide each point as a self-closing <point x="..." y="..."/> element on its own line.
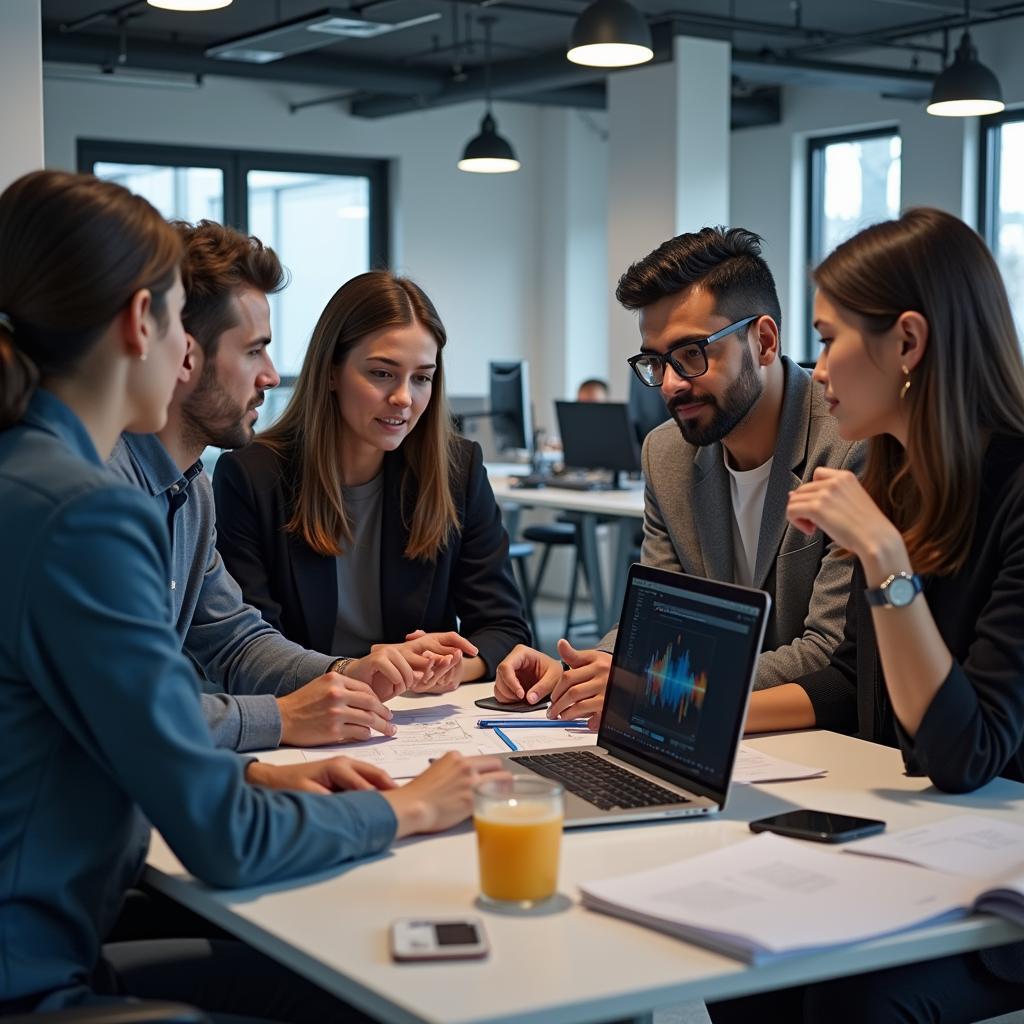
<point x="747" y="427"/>
<point x="261" y="689"/>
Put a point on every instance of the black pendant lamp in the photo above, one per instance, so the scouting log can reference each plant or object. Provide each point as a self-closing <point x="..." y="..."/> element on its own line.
<point x="488" y="152"/>
<point x="610" y="34"/>
<point x="966" y="88"/>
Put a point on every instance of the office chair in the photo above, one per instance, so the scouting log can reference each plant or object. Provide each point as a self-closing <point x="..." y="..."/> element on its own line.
<point x="519" y="551"/>
<point x="119" y="1013"/>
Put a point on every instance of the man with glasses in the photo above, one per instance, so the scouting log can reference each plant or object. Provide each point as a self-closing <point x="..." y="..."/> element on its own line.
<point x="747" y="427"/>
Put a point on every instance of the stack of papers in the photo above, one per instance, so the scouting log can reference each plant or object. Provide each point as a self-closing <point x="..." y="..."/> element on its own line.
<point x="770" y="897"/>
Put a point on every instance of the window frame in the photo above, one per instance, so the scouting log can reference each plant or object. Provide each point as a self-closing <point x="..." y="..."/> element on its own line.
<point x="815" y="202"/>
<point x="989" y="159"/>
<point x="235" y="165"/>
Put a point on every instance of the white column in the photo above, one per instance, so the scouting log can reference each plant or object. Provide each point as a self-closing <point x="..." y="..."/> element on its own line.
<point x="668" y="166"/>
<point x="21" y="89"/>
<point x="572" y="342"/>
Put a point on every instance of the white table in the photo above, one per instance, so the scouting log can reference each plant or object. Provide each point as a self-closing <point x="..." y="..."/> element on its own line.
<point x="576" y="965"/>
<point x="627" y="506"/>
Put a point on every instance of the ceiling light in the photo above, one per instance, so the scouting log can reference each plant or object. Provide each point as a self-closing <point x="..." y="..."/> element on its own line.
<point x="966" y="88"/>
<point x="610" y="34"/>
<point x="488" y="152"/>
<point x="310" y="32"/>
<point x="189" y="5"/>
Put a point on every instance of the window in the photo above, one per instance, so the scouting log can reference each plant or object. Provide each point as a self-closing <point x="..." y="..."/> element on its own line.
<point x="854" y="181"/>
<point x="325" y="217"/>
<point x="1002" y="202"/>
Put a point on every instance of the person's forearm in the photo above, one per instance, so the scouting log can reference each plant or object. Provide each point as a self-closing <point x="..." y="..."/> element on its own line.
<point x="780" y="708"/>
<point x="473" y="669"/>
<point x="915" y="658"/>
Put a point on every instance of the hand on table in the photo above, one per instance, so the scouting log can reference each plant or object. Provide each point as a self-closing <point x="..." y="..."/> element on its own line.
<point x="448" y="652"/>
<point x="332" y="709"/>
<point x="441" y="796"/>
<point x="332" y="775"/>
<point x="580" y="691"/>
<point x="416" y="665"/>
<point x="526" y="674"/>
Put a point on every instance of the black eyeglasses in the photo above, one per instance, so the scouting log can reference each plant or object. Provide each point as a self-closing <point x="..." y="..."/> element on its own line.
<point x="688" y="358"/>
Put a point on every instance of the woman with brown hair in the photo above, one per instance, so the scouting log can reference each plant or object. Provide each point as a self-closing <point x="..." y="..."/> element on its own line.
<point x="920" y="355"/>
<point x="360" y="518"/>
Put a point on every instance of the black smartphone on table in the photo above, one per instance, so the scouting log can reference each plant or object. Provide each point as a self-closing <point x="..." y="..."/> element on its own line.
<point x="819" y="826"/>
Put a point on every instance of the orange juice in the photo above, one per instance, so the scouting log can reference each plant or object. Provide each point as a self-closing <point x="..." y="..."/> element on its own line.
<point x="518" y="843"/>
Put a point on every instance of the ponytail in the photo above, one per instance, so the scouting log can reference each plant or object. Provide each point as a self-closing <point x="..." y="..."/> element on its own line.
<point x="18" y="376"/>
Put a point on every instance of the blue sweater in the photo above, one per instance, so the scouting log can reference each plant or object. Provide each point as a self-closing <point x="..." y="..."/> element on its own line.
<point x="101" y="720"/>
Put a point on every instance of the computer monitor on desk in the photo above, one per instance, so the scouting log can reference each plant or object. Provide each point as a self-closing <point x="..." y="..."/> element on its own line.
<point x="510" y="405"/>
<point x="598" y="435"/>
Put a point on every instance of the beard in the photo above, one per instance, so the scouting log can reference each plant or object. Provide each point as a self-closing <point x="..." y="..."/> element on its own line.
<point x="211" y="416"/>
<point x="738" y="400"/>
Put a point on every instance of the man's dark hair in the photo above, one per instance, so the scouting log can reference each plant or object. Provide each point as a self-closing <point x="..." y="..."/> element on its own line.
<point x="218" y="261"/>
<point x="593" y="382"/>
<point x="726" y="263"/>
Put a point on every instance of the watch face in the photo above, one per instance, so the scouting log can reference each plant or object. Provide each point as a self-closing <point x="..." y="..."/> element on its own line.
<point x="900" y="592"/>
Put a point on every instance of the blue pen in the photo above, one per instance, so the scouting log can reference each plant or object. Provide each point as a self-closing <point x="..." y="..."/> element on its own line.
<point x="530" y="723"/>
<point x="504" y="739"/>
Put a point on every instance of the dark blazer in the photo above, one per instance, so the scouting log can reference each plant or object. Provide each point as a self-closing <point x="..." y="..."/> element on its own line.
<point x="974" y="728"/>
<point x="470" y="587"/>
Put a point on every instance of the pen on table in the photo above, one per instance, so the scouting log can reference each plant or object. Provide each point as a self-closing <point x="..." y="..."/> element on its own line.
<point x="531" y="723"/>
<point x="504" y="739"/>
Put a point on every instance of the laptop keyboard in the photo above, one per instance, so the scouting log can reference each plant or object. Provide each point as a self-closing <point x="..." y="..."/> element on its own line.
<point x="599" y="781"/>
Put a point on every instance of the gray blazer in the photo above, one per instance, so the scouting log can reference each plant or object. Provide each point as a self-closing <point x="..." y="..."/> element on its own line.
<point x="688" y="528"/>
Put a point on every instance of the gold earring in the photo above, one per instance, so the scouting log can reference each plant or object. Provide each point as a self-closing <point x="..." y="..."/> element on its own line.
<point x="906" y="383"/>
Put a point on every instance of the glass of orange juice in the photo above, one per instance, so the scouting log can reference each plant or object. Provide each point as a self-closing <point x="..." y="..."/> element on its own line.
<point x="519" y="836"/>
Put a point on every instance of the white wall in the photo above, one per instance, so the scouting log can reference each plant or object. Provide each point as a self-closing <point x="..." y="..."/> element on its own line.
<point x="471" y="240"/>
<point x="21" y="89"/>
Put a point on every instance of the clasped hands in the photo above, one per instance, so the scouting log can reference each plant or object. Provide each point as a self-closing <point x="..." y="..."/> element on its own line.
<point x="350" y="708"/>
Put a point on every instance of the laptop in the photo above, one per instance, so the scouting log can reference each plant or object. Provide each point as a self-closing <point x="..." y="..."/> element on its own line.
<point x="677" y="695"/>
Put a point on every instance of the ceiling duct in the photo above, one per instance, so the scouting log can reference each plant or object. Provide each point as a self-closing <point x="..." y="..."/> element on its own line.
<point x="310" y="32"/>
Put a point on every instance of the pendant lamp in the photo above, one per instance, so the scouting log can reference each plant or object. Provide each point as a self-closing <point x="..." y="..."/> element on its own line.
<point x="610" y="34"/>
<point x="966" y="88"/>
<point x="488" y="152"/>
<point x="189" y="5"/>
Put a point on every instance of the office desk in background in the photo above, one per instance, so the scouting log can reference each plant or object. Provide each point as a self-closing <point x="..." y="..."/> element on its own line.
<point x="576" y="966"/>
<point x="626" y="506"/>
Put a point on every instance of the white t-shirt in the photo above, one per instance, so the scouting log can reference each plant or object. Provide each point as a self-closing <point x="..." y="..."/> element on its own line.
<point x="747" y="489"/>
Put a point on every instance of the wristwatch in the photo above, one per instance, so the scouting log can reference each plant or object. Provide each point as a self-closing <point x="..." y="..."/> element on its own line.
<point x="895" y="592"/>
<point x="340" y="665"/>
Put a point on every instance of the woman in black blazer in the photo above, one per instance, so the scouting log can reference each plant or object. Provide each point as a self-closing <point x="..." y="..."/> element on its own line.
<point x="360" y="518"/>
<point x="921" y="356"/>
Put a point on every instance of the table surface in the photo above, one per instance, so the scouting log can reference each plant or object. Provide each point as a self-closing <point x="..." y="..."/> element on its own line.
<point x="575" y="965"/>
<point x="627" y="503"/>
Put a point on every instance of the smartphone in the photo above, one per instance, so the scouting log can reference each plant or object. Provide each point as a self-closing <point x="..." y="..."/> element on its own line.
<point x="493" y="704"/>
<point x="821" y="826"/>
<point x="461" y="938"/>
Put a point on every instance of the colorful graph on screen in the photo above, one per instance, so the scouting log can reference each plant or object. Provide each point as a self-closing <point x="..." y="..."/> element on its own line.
<point x="672" y="687"/>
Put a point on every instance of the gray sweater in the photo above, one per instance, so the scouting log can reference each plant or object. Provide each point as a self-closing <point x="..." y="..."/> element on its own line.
<point x="245" y="661"/>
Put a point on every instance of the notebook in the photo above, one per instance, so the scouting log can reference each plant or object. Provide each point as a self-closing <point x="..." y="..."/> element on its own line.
<point x="681" y="676"/>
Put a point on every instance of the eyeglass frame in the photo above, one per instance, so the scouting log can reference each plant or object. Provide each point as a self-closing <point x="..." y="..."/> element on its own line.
<point x="701" y="343"/>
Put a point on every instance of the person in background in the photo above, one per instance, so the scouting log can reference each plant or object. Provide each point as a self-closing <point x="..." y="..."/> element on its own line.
<point x="747" y="426"/>
<point x="592" y="390"/>
<point x="920" y="356"/>
<point x="265" y="690"/>
<point x="359" y="517"/>
<point x="96" y="689"/>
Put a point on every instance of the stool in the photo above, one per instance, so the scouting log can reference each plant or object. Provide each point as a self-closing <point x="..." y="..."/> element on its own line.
<point x="563" y="532"/>
<point x="519" y="551"/>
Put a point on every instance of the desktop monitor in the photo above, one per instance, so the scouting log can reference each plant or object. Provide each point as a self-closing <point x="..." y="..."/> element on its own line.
<point x="598" y="435"/>
<point x="646" y="408"/>
<point x="510" y="405"/>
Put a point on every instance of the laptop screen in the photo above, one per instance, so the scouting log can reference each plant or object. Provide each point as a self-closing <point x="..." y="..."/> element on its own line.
<point x="682" y="670"/>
